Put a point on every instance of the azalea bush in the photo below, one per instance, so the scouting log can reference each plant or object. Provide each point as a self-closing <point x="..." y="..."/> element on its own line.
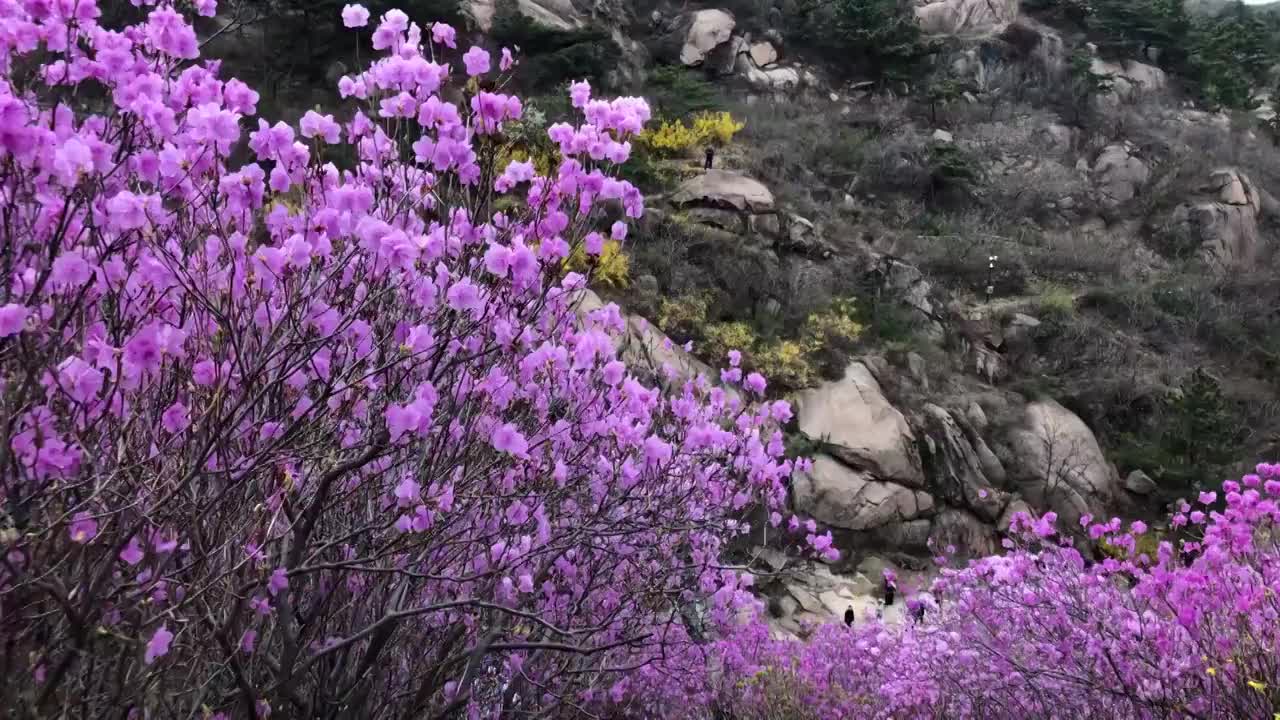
<point x="1157" y="629"/>
<point x="284" y="438"/>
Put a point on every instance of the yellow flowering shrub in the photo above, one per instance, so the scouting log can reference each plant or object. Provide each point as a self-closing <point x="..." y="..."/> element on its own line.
<point x="719" y="338"/>
<point x="784" y="363"/>
<point x="834" y="326"/>
<point x="674" y="137"/>
<point x="612" y="268"/>
<point x="716" y="127"/>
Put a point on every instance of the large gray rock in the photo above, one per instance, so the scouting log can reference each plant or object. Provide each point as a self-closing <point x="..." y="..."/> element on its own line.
<point x="558" y="14"/>
<point x="763" y="53"/>
<point x="969" y="536"/>
<point x="1119" y="175"/>
<point x="703" y="31"/>
<point x="1129" y="77"/>
<point x="957" y="470"/>
<point x="849" y="499"/>
<point x="1221" y="225"/>
<point x="969" y="18"/>
<point x="1057" y="463"/>
<point x="1140" y="483"/>
<point x="725" y="189"/>
<point x="859" y="426"/>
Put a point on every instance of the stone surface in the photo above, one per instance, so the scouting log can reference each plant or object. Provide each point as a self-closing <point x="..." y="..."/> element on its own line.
<point x="763" y="53"/>
<point x="849" y="499"/>
<point x="969" y="536"/>
<point x="943" y="136"/>
<point x="965" y="17"/>
<point x="812" y="595"/>
<point x="1020" y="327"/>
<point x="725" y="189"/>
<point x="1057" y="463"/>
<point x="956" y="471"/>
<point x="1222" y="222"/>
<point x="1129" y="77"/>
<point x="704" y="30"/>
<point x="558" y="14"/>
<point x="1119" y="175"/>
<point x="1139" y="483"/>
<point x="860" y="427"/>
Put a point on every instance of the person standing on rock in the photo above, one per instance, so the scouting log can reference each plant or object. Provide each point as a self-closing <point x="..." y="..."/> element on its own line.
<point x="890" y="586"/>
<point x="849" y="616"/>
<point x="711" y="156"/>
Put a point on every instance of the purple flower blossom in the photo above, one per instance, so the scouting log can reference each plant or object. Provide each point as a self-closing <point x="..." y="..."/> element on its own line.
<point x="476" y="61"/>
<point x="355" y="16"/>
<point x="83" y="528"/>
<point x="158" y="645"/>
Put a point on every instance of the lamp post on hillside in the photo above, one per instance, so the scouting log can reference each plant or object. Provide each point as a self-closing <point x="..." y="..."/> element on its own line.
<point x="991" y="271"/>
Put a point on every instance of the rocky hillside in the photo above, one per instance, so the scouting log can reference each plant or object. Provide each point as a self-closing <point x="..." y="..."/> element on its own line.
<point x="1001" y="255"/>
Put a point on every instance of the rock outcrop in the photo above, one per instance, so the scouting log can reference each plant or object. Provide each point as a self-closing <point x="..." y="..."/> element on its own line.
<point x="967" y="18"/>
<point x="700" y="32"/>
<point x="858" y="425"/>
<point x="1129" y="77"/>
<point x="725" y="190"/>
<point x="1221" y="225"/>
<point x="962" y="470"/>
<point x="841" y="497"/>
<point x="1057" y="464"/>
<point x="558" y="14"/>
<point x="1119" y="174"/>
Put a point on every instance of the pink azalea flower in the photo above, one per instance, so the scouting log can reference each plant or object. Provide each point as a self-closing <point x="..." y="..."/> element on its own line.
<point x="158" y="645"/>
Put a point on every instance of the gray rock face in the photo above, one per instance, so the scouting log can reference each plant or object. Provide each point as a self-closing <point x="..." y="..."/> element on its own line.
<point x="861" y="428"/>
<point x="967" y="18"/>
<point x="961" y="530"/>
<point x="703" y="31"/>
<point x="1119" y="175"/>
<point x="960" y="474"/>
<point x="763" y="53"/>
<point x="725" y="189"/>
<point x="1129" y="77"/>
<point x="1222" y="223"/>
<point x="849" y="499"/>
<point x="1139" y="483"/>
<point x="558" y="14"/>
<point x="1058" y="464"/>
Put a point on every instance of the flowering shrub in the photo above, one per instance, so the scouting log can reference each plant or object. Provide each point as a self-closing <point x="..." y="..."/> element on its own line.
<point x="676" y="138"/>
<point x="1189" y="631"/>
<point x="283" y="437"/>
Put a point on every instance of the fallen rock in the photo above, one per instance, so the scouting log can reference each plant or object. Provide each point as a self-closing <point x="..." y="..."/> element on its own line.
<point x="1020" y="328"/>
<point x="860" y="427"/>
<point x="724" y="189"/>
<point x="848" y="499"/>
<point x="1140" y="483"/>
<point x="943" y="136"/>
<point x="965" y="17"/>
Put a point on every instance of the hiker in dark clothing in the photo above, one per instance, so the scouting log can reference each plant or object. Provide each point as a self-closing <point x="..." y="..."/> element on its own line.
<point x="711" y="154"/>
<point x="848" y="616"/>
<point x="889" y="592"/>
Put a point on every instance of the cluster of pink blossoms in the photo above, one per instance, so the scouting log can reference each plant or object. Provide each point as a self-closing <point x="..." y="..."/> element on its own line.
<point x="1039" y="632"/>
<point x="301" y="438"/>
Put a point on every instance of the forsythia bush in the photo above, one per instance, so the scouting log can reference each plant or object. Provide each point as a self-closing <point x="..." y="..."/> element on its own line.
<point x="611" y="267"/>
<point x="282" y="439"/>
<point x="676" y="138"/>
